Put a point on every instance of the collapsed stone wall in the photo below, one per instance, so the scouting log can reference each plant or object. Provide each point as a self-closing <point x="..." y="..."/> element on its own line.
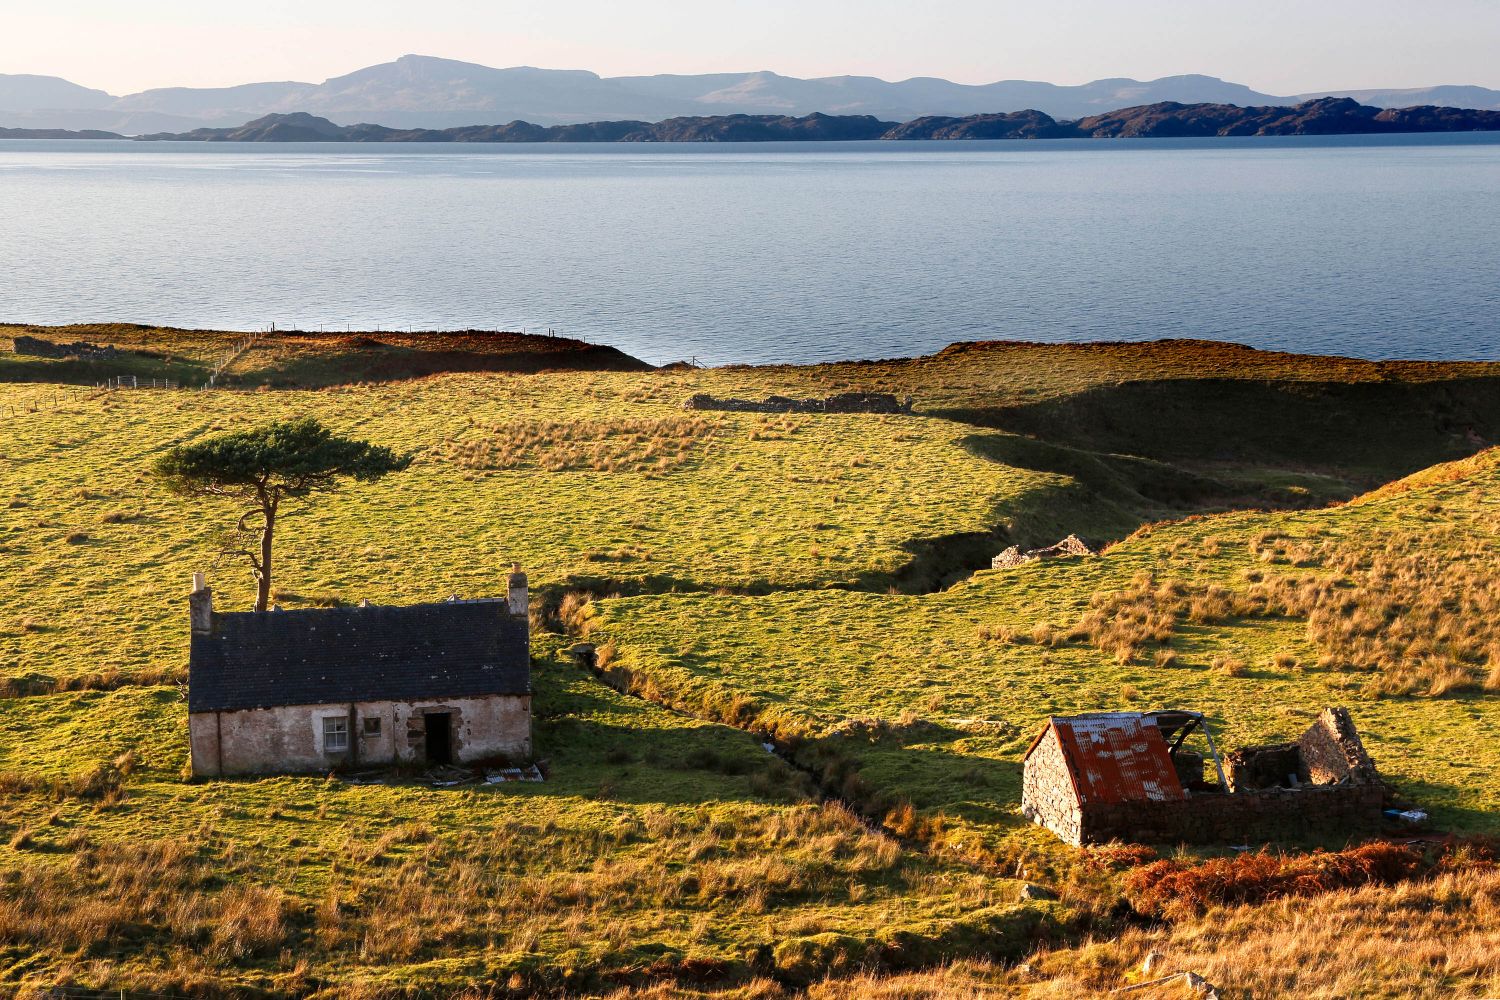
<point x="1331" y="750"/>
<point x="844" y="402"/>
<point x="36" y="347"/>
<point x="1070" y="546"/>
<point x="1272" y="766"/>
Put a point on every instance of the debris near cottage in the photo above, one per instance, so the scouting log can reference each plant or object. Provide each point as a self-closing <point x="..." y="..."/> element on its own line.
<point x="1070" y="546"/>
<point x="843" y="402"/>
<point x="1129" y="776"/>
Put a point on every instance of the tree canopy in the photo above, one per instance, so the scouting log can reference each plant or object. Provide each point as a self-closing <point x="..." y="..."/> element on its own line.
<point x="266" y="465"/>
<point x="291" y="457"/>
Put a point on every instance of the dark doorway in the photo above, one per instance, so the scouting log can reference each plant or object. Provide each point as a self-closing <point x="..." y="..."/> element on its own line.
<point x="439" y="738"/>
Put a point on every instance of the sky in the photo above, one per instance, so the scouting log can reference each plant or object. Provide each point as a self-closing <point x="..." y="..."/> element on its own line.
<point x="1280" y="47"/>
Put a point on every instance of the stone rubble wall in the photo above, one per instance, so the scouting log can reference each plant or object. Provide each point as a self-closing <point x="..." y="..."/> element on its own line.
<point x="844" y="402"/>
<point x="1332" y="750"/>
<point x="38" y="348"/>
<point x="1014" y="556"/>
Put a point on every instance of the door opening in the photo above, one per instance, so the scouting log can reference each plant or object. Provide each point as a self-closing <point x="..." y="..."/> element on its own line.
<point x="439" y="737"/>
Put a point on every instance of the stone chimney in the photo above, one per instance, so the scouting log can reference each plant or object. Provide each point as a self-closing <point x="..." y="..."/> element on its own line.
<point x="517" y="597"/>
<point x="201" y="606"/>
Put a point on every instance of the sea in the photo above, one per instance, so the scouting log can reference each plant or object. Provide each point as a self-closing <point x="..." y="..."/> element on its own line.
<point x="1368" y="246"/>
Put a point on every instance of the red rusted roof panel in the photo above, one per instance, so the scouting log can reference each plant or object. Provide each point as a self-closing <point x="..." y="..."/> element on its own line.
<point x="1118" y="758"/>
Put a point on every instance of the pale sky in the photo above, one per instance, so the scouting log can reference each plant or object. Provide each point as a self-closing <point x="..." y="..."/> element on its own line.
<point x="1276" y="46"/>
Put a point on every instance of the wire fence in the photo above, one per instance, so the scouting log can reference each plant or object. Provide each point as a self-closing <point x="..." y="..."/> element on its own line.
<point x="136" y="382"/>
<point x="236" y="351"/>
<point x="20" y="402"/>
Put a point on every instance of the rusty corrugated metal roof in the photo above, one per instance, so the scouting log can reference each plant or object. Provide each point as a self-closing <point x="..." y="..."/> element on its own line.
<point x="1117" y="757"/>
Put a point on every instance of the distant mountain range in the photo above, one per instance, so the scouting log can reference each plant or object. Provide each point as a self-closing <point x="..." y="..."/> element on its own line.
<point x="427" y="92"/>
<point x="1324" y="116"/>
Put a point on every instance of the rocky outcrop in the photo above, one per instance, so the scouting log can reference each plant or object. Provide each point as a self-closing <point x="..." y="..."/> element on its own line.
<point x="844" y="402"/>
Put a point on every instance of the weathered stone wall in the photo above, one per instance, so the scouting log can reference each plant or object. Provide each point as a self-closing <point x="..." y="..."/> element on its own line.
<point x="36" y="347"/>
<point x="1332" y="750"/>
<point x="1263" y="767"/>
<point x="1269" y="814"/>
<point x="289" y="739"/>
<point x="844" y="402"/>
<point x="1047" y="793"/>
<point x="1013" y="556"/>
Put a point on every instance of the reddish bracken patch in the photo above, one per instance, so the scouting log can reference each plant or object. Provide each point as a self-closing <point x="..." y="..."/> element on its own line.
<point x="1168" y="887"/>
<point x="1118" y="857"/>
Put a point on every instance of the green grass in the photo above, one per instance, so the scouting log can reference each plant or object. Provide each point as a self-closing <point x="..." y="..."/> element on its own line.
<point x="779" y="573"/>
<point x="811" y="663"/>
<point x="759" y="503"/>
<point x="657" y="840"/>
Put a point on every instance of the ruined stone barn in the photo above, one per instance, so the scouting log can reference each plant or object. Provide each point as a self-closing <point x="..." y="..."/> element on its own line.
<point x="1130" y="776"/>
<point x="321" y="689"/>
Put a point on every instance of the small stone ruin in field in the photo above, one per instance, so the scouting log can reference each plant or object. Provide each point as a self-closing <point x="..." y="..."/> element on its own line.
<point x="844" y="402"/>
<point x="1070" y="546"/>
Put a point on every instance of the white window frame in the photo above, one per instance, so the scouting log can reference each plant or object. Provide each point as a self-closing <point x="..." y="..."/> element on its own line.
<point x="335" y="733"/>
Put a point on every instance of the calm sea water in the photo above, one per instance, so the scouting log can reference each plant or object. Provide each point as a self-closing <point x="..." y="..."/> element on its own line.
<point x="1375" y="247"/>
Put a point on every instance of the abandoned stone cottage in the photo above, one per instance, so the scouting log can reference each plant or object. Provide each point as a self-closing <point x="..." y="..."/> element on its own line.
<point x="1129" y="776"/>
<point x="313" y="690"/>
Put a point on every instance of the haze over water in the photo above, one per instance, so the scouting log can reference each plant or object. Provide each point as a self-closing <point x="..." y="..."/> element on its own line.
<point x="1376" y="247"/>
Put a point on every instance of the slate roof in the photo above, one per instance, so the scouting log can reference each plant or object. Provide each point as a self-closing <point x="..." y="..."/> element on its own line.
<point x="263" y="659"/>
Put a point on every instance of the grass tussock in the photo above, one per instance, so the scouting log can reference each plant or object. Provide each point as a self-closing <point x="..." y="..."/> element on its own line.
<point x="1418" y="613"/>
<point x="652" y="445"/>
<point x="108" y="679"/>
<point x="105" y="782"/>
<point x="1415" y="939"/>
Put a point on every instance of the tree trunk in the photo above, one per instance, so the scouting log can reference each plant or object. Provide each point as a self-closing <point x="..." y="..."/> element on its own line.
<point x="263" y="593"/>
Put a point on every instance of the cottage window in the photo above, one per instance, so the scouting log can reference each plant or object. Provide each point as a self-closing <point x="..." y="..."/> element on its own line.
<point x="372" y="725"/>
<point x="335" y="734"/>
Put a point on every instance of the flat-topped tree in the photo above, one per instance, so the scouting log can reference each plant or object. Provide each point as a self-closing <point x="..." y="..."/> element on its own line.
<point x="285" y="460"/>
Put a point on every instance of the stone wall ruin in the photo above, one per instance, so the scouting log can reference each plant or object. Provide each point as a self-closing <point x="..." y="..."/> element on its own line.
<point x="1322" y="782"/>
<point x="844" y="402"/>
<point x="1014" y="556"/>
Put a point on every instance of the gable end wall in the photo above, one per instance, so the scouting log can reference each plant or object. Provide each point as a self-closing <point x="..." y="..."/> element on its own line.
<point x="1047" y="793"/>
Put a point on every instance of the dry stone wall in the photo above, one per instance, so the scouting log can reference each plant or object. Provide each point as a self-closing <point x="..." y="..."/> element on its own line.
<point x="1265" y="814"/>
<point x="1047" y="793"/>
<point x="844" y="402"/>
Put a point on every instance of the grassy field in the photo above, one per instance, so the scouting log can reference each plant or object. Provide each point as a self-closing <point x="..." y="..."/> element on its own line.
<point x="658" y="843"/>
<point x="802" y="577"/>
<point x="960" y="680"/>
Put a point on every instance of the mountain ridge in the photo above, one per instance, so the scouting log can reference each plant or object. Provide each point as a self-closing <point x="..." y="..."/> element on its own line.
<point x="417" y="91"/>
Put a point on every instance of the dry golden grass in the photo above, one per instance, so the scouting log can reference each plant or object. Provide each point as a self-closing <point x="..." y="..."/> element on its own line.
<point x="1418" y="612"/>
<point x="1419" y="939"/>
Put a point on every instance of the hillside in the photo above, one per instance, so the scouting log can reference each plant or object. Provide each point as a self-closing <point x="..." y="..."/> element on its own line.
<point x="1299" y="531"/>
<point x="295" y="358"/>
<point x="418" y="91"/>
<point x="1322" y="117"/>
